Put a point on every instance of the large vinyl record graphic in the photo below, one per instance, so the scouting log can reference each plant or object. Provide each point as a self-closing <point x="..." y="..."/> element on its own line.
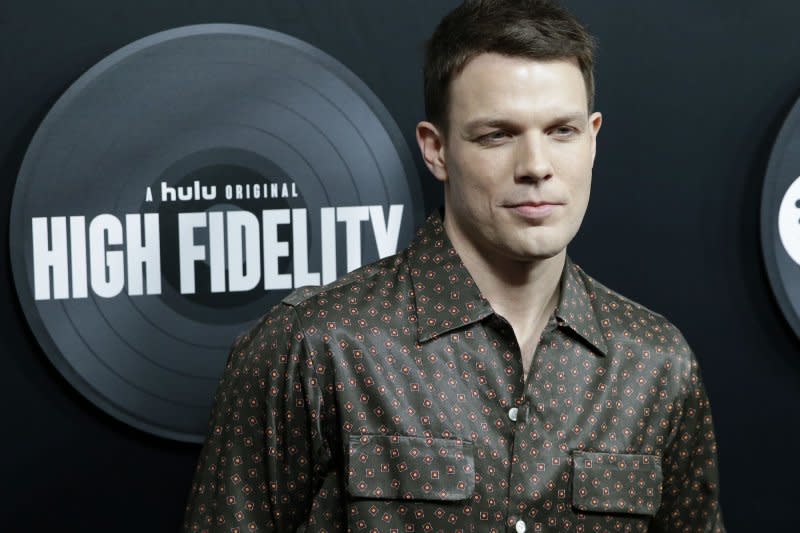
<point x="180" y="189"/>
<point x="780" y="218"/>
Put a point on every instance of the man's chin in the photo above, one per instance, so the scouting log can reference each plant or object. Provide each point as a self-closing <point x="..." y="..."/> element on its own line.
<point x="534" y="254"/>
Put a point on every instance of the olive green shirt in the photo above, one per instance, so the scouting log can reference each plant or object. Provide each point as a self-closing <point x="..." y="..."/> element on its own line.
<point x="393" y="400"/>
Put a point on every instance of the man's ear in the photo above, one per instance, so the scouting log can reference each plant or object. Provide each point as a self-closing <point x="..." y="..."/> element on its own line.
<point x="595" y="121"/>
<point x="431" y="146"/>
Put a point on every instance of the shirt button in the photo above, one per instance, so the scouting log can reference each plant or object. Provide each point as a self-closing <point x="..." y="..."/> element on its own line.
<point x="520" y="526"/>
<point x="512" y="414"/>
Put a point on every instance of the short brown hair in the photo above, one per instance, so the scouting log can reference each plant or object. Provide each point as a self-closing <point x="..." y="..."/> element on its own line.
<point x="536" y="29"/>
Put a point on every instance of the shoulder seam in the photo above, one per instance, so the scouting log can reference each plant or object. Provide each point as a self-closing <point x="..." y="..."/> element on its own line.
<point x="301" y="294"/>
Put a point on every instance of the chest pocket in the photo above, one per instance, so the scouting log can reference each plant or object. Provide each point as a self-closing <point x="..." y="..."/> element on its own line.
<point x="616" y="483"/>
<point x="410" y="468"/>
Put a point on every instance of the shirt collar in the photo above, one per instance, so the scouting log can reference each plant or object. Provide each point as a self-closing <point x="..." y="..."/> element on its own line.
<point x="446" y="296"/>
<point x="577" y="307"/>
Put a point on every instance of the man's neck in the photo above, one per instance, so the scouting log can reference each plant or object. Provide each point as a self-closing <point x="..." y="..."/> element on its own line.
<point x="525" y="293"/>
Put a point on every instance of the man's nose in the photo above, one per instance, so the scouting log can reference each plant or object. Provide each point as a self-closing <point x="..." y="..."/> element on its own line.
<point x="533" y="159"/>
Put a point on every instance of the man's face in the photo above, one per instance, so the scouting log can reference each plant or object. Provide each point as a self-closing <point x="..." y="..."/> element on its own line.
<point x="517" y="157"/>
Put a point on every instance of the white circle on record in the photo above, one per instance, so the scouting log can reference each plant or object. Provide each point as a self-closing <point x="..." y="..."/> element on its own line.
<point x="789" y="221"/>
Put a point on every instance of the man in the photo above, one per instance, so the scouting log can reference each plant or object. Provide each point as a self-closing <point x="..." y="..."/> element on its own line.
<point x="479" y="380"/>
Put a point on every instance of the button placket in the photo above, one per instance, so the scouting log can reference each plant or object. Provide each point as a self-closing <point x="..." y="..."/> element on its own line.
<point x="516" y="415"/>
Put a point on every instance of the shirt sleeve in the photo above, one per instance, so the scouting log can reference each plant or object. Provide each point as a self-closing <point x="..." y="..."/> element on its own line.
<point x="265" y="449"/>
<point x="690" y="498"/>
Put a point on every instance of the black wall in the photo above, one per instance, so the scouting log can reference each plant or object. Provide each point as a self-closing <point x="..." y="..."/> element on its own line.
<point x="693" y="94"/>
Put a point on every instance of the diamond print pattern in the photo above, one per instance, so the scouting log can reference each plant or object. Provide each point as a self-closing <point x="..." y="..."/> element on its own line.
<point x="382" y="402"/>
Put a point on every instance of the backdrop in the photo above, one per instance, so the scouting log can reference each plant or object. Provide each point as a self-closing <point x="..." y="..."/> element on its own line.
<point x="693" y="95"/>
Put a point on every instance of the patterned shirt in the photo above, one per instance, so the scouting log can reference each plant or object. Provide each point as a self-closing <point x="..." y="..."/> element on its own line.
<point x="393" y="400"/>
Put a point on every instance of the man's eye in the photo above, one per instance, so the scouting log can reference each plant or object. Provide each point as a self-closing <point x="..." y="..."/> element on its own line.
<point x="564" y="131"/>
<point x="494" y="136"/>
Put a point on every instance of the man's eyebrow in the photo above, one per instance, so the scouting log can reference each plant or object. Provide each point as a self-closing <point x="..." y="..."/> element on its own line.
<point x="488" y="122"/>
<point x="491" y="122"/>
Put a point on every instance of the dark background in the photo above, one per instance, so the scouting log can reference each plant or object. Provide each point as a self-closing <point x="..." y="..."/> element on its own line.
<point x="693" y="95"/>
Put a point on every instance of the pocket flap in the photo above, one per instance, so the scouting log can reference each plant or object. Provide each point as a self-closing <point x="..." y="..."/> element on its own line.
<point x="410" y="468"/>
<point x="616" y="482"/>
